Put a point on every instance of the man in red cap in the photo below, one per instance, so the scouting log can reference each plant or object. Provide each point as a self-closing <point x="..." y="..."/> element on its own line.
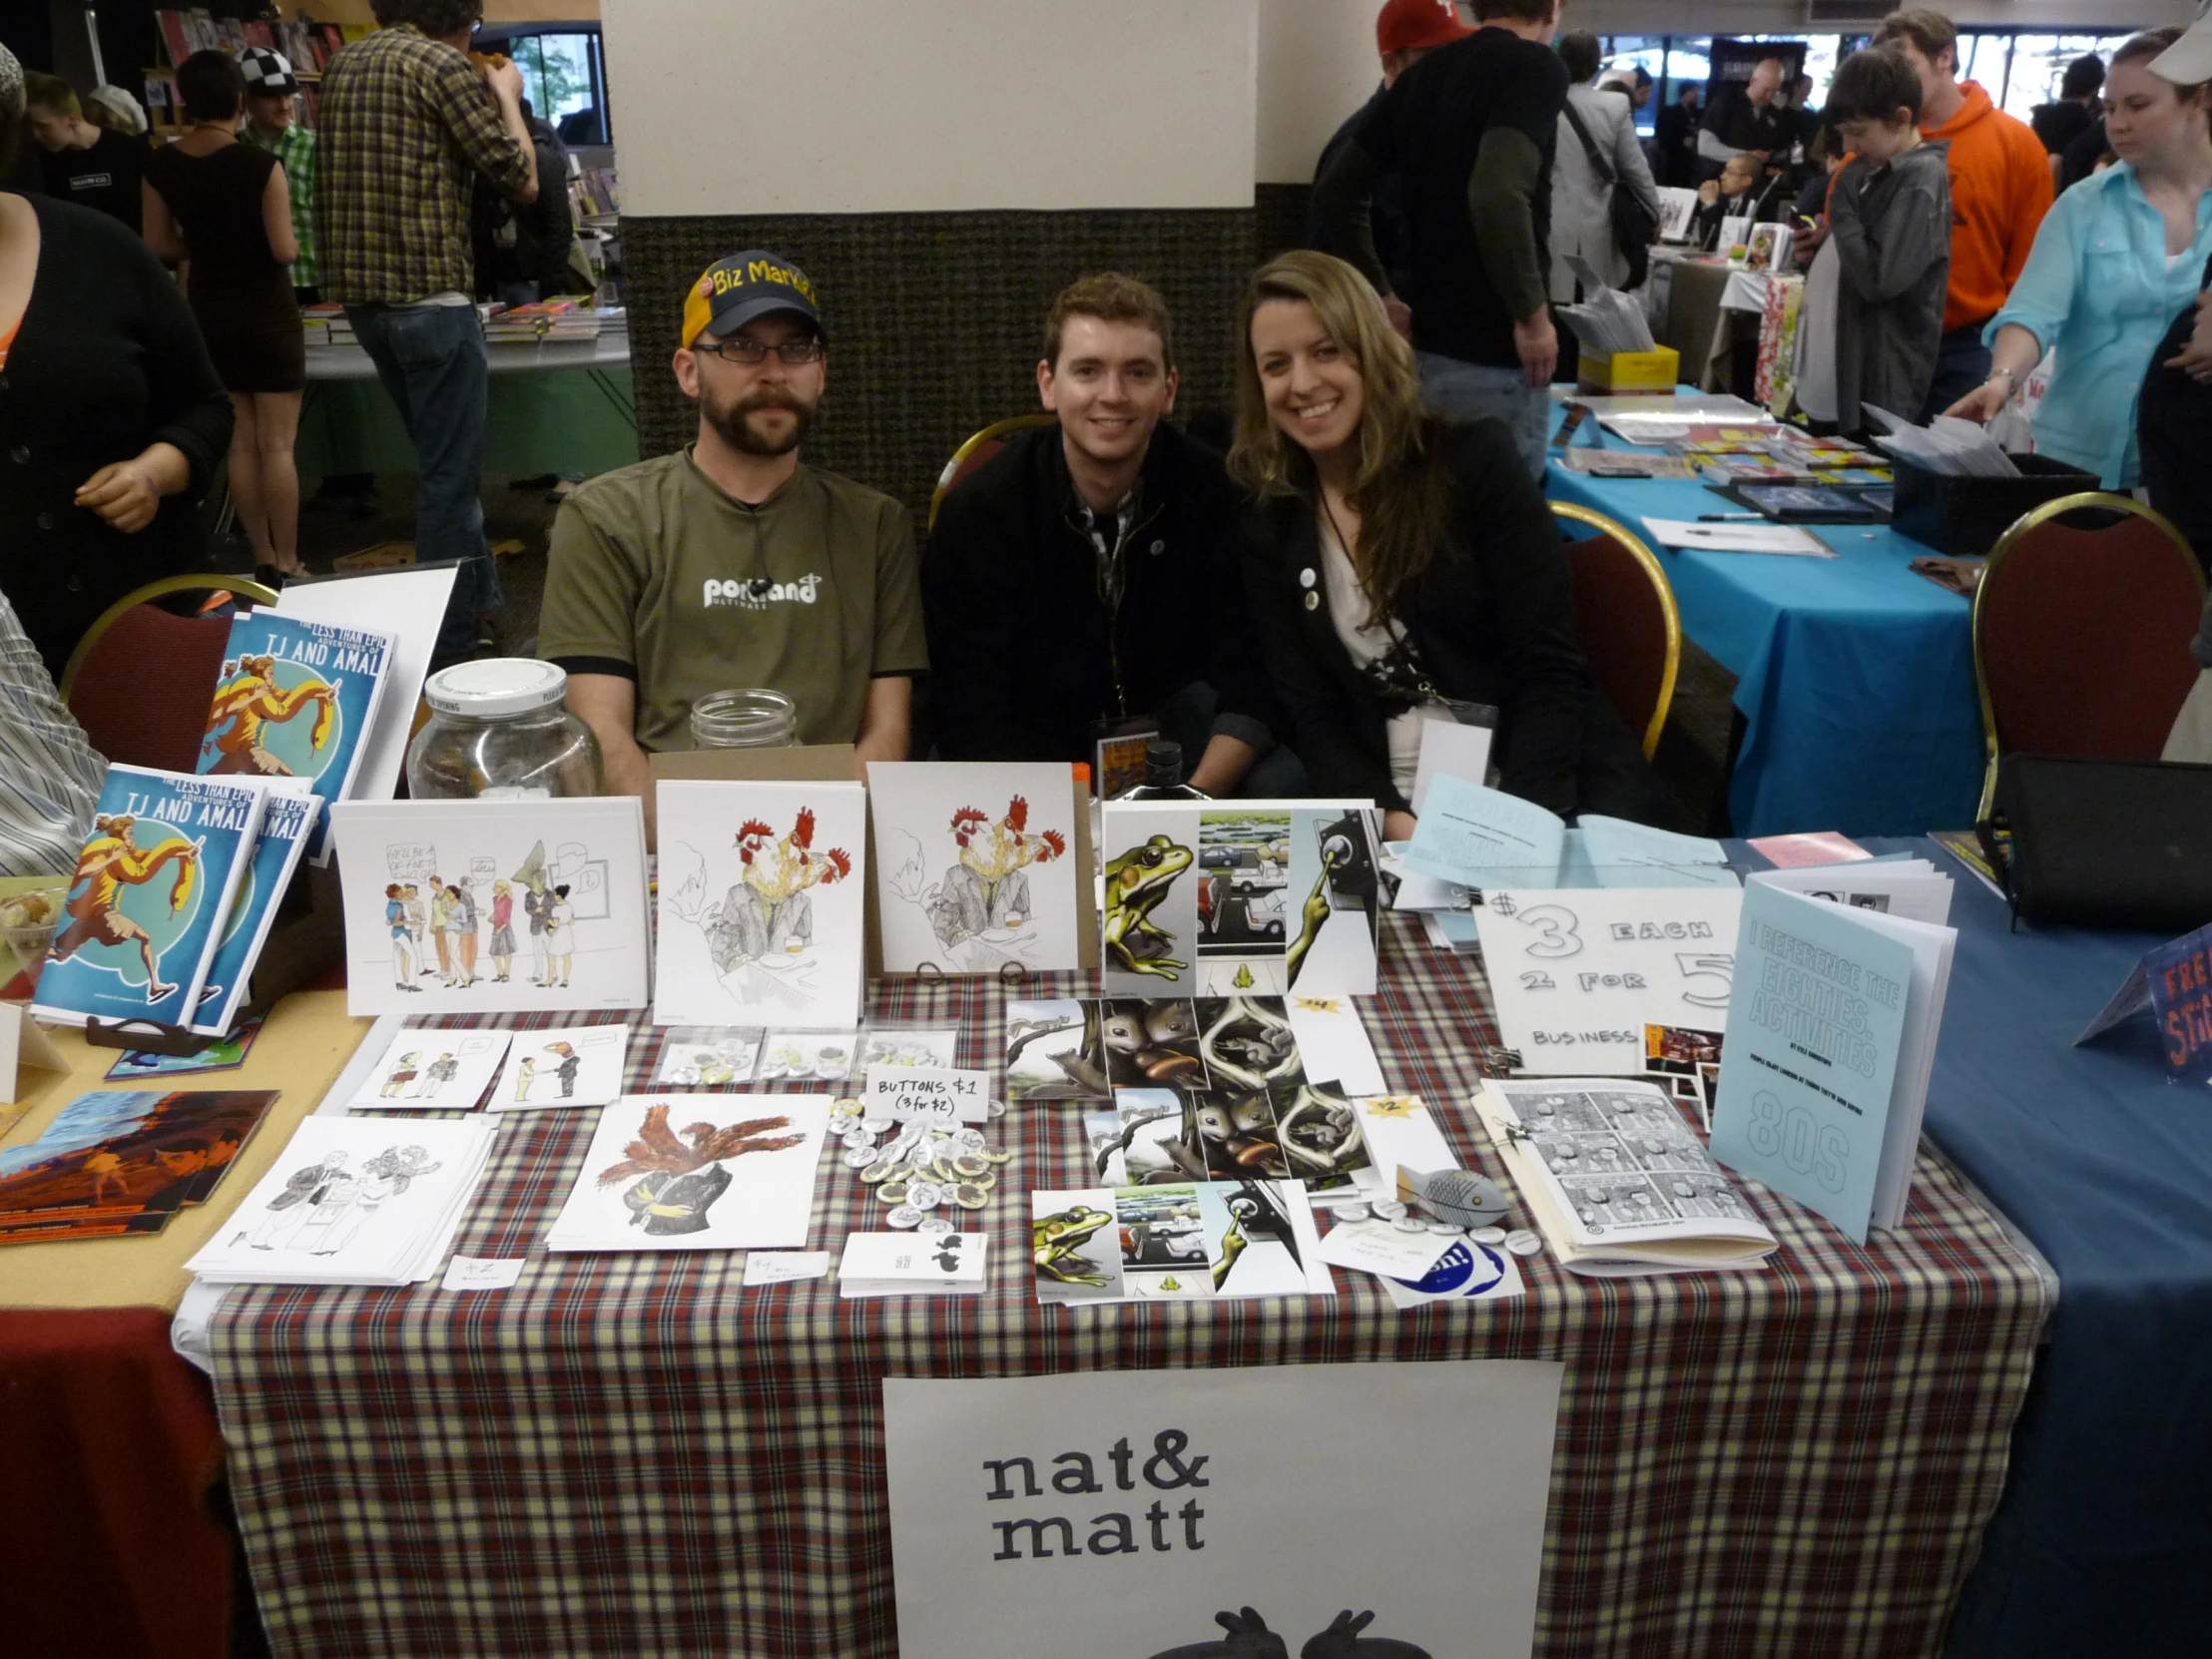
<point x="1404" y="32"/>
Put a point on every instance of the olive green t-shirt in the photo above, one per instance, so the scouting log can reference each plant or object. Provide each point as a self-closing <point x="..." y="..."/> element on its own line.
<point x="655" y="574"/>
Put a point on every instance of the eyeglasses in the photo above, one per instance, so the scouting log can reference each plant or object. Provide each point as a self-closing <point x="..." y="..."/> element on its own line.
<point x="739" y="350"/>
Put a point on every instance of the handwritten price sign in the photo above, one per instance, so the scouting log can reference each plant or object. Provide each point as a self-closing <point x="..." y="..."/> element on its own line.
<point x="926" y="1094"/>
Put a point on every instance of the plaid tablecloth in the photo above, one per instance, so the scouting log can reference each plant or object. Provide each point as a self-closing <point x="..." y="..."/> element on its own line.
<point x="630" y="1454"/>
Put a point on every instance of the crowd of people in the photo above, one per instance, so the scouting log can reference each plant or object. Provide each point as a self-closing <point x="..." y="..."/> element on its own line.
<point x="1371" y="553"/>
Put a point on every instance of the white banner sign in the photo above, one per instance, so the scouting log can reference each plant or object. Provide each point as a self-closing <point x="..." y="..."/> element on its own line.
<point x="1113" y="1514"/>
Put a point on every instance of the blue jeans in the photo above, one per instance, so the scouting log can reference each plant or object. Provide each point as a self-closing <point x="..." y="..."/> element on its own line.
<point x="1477" y="392"/>
<point x="1962" y="364"/>
<point x="431" y="358"/>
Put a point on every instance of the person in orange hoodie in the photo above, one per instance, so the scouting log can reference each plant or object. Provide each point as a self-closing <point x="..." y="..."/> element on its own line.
<point x="2000" y="187"/>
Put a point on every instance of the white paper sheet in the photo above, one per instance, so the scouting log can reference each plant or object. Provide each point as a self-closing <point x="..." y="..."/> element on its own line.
<point x="579" y="1066"/>
<point x="434" y="1069"/>
<point x="1737" y="536"/>
<point x="591" y="952"/>
<point x="976" y="867"/>
<point x="1576" y="975"/>
<point x="763" y="900"/>
<point x="409" y="604"/>
<point x="671" y="1172"/>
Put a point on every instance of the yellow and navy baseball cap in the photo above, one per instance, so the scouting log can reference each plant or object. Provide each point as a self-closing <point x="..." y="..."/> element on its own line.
<point x="741" y="286"/>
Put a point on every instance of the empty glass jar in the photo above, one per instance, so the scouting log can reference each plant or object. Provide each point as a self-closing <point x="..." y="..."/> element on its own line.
<point x="743" y="719"/>
<point x="498" y="731"/>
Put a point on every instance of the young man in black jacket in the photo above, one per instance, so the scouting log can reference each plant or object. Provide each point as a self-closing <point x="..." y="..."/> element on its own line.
<point x="1086" y="581"/>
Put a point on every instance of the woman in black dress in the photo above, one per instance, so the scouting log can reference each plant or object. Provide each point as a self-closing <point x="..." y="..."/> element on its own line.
<point x="1402" y="569"/>
<point x="225" y="209"/>
<point x="112" y="420"/>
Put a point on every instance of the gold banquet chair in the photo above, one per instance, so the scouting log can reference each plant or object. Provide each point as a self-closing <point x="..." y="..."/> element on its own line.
<point x="978" y="450"/>
<point x="1631" y="628"/>
<point x="141" y="680"/>
<point x="2081" y="635"/>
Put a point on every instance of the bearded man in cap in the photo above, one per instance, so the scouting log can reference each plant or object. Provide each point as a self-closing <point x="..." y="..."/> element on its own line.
<point x="732" y="563"/>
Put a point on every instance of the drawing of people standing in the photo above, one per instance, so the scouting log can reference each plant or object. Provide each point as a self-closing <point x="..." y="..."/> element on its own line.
<point x="461" y="919"/>
<point x="535" y="904"/>
<point x="442" y="909"/>
<point x="402" y="942"/>
<point x="571" y="1063"/>
<point x="560" y="943"/>
<point x="410" y="904"/>
<point x="502" y="930"/>
<point x="439" y="1073"/>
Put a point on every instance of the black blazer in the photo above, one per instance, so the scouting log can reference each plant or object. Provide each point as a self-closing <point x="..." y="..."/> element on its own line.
<point x="1020" y="654"/>
<point x="107" y="361"/>
<point x="1492" y="618"/>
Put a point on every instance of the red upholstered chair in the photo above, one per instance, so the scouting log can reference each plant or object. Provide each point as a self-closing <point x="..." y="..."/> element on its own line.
<point x="141" y="680"/>
<point x="980" y="448"/>
<point x="2081" y="633"/>
<point x="1630" y="626"/>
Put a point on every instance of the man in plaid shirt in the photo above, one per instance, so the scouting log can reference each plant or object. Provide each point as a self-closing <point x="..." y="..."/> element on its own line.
<point x="407" y="121"/>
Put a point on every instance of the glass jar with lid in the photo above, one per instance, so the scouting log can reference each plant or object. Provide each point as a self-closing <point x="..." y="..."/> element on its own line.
<point x="498" y="731"/>
<point x="744" y="719"/>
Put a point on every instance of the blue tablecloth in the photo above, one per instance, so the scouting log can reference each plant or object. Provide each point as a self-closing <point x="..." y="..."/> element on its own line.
<point x="1855" y="676"/>
<point x="2102" y="1544"/>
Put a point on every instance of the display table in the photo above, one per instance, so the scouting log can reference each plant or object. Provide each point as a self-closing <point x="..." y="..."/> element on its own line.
<point x="108" y="1450"/>
<point x="629" y="1453"/>
<point x="555" y="407"/>
<point x="2101" y="1543"/>
<point x="1855" y="677"/>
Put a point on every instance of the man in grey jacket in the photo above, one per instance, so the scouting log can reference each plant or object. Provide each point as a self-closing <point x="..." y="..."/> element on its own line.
<point x="1889" y="218"/>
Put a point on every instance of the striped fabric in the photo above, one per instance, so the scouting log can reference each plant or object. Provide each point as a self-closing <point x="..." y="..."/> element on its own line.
<point x="630" y="1454"/>
<point x="49" y="774"/>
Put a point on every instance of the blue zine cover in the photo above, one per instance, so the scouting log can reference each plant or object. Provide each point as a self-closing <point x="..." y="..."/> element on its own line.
<point x="286" y="822"/>
<point x="1810" y="1058"/>
<point x="294" y="700"/>
<point x="152" y="885"/>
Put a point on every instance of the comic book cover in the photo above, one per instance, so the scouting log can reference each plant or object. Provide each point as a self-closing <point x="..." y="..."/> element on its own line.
<point x="152" y="887"/>
<point x="295" y="699"/>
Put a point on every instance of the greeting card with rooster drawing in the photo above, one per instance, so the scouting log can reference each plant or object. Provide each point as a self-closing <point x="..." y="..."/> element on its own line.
<point x="975" y="872"/>
<point x="697" y="1172"/>
<point x="763" y="911"/>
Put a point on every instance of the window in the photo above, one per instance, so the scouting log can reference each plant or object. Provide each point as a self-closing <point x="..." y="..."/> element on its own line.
<point x="564" y="77"/>
<point x="2039" y="64"/>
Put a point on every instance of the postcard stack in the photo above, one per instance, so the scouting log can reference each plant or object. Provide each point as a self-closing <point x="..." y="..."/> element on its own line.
<point x="123" y="1162"/>
<point x="697" y="1172"/>
<point x="1223" y="1087"/>
<point x="353" y="1201"/>
<point x="171" y="897"/>
<point x="911" y="1263"/>
<point x="1269" y="897"/>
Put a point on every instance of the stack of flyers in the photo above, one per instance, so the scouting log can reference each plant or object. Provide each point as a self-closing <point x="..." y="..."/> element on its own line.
<point x="353" y="1201"/>
<point x="295" y="699"/>
<point x="152" y="888"/>
<point x="911" y="1263"/>
<point x="120" y="1162"/>
<point x="1192" y="1240"/>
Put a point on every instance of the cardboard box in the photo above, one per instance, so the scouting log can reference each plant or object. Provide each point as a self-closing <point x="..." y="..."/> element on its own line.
<point x="1625" y="371"/>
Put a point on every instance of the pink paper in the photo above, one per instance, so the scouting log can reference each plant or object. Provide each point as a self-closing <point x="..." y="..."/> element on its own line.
<point x="1797" y="851"/>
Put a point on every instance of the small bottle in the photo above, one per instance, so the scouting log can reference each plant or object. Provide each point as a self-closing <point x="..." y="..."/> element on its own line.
<point x="1163" y="773"/>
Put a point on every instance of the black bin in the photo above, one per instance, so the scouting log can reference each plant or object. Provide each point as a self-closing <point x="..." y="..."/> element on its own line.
<point x="1965" y="516"/>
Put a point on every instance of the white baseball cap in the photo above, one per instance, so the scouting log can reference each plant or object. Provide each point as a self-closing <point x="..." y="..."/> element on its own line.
<point x="2188" y="61"/>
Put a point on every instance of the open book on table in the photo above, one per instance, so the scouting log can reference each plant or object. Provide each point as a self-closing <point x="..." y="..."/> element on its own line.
<point x="1616" y="1180"/>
